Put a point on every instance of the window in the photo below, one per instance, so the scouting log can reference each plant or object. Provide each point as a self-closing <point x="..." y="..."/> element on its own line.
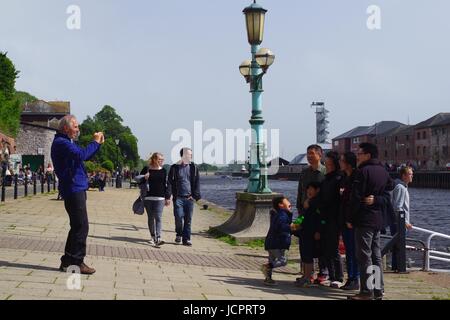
<point x="385" y="140"/>
<point x="418" y="135"/>
<point x="336" y="143"/>
<point x="407" y="152"/>
<point x="424" y="151"/>
<point x="356" y="140"/>
<point x="418" y="150"/>
<point x="396" y="138"/>
<point x="424" y="135"/>
<point x="445" y="151"/>
<point x="407" y="137"/>
<point x="396" y="153"/>
<point x="385" y="153"/>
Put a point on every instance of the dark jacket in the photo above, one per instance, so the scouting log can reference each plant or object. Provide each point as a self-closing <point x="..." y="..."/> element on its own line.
<point x="279" y="234"/>
<point x="346" y="194"/>
<point x="329" y="197"/>
<point x="311" y="220"/>
<point x="67" y="160"/>
<point x="371" y="179"/>
<point x="173" y="181"/>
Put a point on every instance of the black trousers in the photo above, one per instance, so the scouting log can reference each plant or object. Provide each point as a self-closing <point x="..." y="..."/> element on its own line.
<point x="330" y="252"/>
<point x="75" y="249"/>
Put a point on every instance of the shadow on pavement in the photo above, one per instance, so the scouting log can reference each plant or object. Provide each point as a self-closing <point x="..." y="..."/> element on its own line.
<point x="26" y="266"/>
<point x="284" y="287"/>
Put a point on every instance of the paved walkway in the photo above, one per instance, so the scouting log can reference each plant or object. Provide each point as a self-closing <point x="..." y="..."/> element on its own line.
<point x="33" y="232"/>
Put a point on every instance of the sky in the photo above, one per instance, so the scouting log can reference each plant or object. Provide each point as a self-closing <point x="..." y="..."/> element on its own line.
<point x="165" y="64"/>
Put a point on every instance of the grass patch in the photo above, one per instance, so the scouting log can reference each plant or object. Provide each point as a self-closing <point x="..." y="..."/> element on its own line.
<point x="222" y="237"/>
<point x="257" y="243"/>
<point x="441" y="298"/>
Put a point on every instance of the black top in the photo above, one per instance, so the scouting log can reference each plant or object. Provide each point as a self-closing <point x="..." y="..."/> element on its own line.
<point x="157" y="182"/>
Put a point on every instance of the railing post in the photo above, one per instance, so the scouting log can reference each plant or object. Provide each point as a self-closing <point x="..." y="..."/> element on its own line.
<point x="48" y="184"/>
<point x="401" y="242"/>
<point x="42" y="183"/>
<point x="34" y="184"/>
<point x="26" y="186"/>
<point x="15" y="186"/>
<point x="54" y="182"/>
<point x="3" y="187"/>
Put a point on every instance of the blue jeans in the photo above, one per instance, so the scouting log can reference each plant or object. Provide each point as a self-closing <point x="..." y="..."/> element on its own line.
<point x="348" y="236"/>
<point x="183" y="210"/>
<point x="154" y="210"/>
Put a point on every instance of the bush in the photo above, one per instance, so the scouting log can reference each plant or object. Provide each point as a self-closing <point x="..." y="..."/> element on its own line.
<point x="108" y="165"/>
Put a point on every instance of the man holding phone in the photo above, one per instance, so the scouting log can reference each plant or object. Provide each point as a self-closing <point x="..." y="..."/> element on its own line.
<point x="68" y="158"/>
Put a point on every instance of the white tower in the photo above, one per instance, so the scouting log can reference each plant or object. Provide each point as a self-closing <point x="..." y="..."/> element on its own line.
<point x="321" y="122"/>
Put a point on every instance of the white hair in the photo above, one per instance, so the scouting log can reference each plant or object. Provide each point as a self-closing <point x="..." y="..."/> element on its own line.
<point x="66" y="121"/>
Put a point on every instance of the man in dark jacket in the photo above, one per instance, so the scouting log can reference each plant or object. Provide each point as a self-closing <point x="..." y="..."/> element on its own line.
<point x="68" y="160"/>
<point x="183" y="184"/>
<point x="368" y="198"/>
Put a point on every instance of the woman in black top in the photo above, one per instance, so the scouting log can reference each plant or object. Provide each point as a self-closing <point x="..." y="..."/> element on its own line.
<point x="155" y="176"/>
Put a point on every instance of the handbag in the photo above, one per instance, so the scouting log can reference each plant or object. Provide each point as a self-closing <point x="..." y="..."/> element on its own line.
<point x="138" y="206"/>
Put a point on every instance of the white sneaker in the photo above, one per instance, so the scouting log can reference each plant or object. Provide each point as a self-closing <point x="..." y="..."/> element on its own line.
<point x="151" y="242"/>
<point x="336" y="284"/>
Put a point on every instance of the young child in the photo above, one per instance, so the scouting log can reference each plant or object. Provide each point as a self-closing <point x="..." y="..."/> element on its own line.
<point x="278" y="239"/>
<point x="307" y="227"/>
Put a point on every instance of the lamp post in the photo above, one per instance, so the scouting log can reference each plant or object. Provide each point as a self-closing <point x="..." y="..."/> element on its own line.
<point x="253" y="70"/>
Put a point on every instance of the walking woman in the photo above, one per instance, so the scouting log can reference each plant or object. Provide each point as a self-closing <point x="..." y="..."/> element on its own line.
<point x="156" y="178"/>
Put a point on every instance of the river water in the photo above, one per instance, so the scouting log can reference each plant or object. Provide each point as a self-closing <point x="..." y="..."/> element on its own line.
<point x="430" y="208"/>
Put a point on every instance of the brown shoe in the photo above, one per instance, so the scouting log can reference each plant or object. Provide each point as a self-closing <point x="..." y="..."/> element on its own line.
<point x="84" y="269"/>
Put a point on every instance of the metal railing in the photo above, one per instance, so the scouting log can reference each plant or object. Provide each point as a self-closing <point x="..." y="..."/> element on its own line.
<point x="434" y="254"/>
<point x="19" y="186"/>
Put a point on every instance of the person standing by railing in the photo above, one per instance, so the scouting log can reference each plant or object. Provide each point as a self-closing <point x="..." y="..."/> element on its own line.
<point x="400" y="203"/>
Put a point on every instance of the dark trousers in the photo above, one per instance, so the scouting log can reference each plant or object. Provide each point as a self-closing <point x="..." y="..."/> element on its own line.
<point x="330" y="252"/>
<point x="368" y="254"/>
<point x="183" y="211"/>
<point x="348" y="236"/>
<point x="75" y="250"/>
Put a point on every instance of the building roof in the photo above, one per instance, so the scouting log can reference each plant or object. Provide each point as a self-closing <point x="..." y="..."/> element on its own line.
<point x="400" y="130"/>
<point x="376" y="129"/>
<point x="438" y="120"/>
<point x="281" y="162"/>
<point x="44" y="107"/>
<point x="299" y="159"/>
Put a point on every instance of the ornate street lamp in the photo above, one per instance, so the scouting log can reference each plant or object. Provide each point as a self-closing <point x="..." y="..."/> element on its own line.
<point x="253" y="70"/>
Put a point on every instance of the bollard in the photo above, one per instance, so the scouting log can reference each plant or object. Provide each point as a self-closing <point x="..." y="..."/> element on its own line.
<point x="48" y="185"/>
<point x="34" y="184"/>
<point x="54" y="183"/>
<point x="3" y="189"/>
<point x="15" y="186"/>
<point x="26" y="186"/>
<point x="401" y="243"/>
<point x="42" y="183"/>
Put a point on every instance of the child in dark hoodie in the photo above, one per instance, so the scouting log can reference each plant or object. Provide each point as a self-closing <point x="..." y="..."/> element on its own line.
<point x="278" y="238"/>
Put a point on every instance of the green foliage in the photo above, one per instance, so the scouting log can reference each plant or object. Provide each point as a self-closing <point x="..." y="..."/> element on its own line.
<point x="9" y="105"/>
<point x="108" y="165"/>
<point x="9" y="116"/>
<point x="207" y="167"/>
<point x="110" y="123"/>
<point x="8" y="76"/>
<point x="24" y="97"/>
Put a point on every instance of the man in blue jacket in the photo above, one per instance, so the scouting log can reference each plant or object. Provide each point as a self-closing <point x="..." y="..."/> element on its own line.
<point x="68" y="160"/>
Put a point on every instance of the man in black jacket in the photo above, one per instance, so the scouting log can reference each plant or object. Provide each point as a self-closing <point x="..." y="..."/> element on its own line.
<point x="183" y="184"/>
<point x="368" y="198"/>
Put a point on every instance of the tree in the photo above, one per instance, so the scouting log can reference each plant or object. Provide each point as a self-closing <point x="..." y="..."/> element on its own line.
<point x="9" y="105"/>
<point x="110" y="123"/>
<point x="8" y="76"/>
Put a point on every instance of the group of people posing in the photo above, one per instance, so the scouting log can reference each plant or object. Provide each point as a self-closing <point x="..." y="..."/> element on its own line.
<point x="351" y="196"/>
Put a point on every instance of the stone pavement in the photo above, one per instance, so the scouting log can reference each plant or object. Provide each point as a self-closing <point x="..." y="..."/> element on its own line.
<point x="33" y="232"/>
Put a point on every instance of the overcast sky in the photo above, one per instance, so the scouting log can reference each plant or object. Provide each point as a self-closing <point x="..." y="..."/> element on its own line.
<point x="165" y="64"/>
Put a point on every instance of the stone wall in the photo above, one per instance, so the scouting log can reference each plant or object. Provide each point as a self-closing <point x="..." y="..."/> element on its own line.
<point x="31" y="138"/>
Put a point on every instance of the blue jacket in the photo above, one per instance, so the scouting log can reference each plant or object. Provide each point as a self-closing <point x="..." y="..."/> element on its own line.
<point x="67" y="160"/>
<point x="279" y="234"/>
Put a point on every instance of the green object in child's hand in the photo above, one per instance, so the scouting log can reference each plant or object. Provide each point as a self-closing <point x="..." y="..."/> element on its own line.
<point x="299" y="220"/>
